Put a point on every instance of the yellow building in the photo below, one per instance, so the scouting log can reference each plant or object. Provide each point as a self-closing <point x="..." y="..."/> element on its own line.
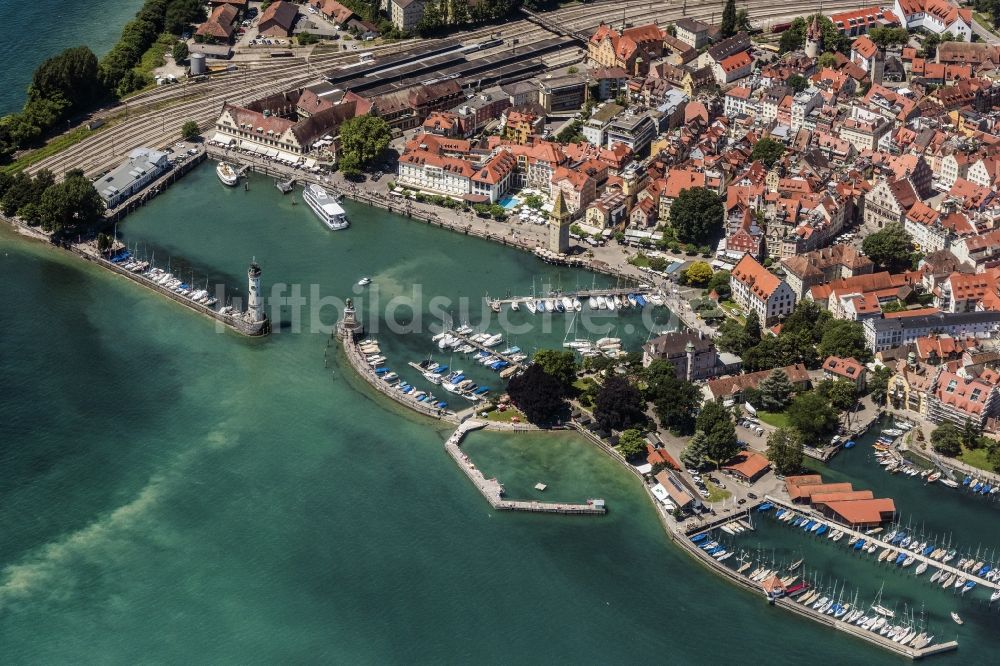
<point x="910" y="387"/>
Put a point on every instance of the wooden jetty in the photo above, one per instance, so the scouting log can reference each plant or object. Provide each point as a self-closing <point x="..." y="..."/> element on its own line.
<point x="521" y="365"/>
<point x="493" y="490"/>
<point x="871" y="538"/>
<point x="682" y="538"/>
<point x="582" y="294"/>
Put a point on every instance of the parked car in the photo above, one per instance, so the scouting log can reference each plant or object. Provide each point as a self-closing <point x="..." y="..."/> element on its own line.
<point x="752" y="496"/>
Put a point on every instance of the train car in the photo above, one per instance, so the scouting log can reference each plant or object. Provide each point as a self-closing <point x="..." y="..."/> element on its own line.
<point x="281" y="54"/>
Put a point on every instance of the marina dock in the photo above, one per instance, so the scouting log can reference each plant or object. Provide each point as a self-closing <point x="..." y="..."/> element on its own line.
<point x="493" y="490"/>
<point x="357" y="360"/>
<point x="870" y="538"/>
<point x="683" y="538"/>
<point x="521" y="365"/>
<point x="582" y="294"/>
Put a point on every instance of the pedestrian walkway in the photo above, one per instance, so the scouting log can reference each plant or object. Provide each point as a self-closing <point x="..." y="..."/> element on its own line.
<point x="493" y="490"/>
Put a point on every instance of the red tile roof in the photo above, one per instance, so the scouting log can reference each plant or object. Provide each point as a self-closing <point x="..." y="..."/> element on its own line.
<point x="760" y="281"/>
<point x="863" y="512"/>
<point x="748" y="464"/>
<point x="848" y="368"/>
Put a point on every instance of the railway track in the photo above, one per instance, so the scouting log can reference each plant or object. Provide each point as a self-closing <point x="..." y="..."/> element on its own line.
<point x="155" y="118"/>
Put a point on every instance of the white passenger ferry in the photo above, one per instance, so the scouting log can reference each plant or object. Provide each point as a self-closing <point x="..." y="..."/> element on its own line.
<point x="325" y="207"/>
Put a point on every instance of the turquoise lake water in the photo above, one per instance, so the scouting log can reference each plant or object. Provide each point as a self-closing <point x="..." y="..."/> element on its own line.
<point x="43" y="28"/>
<point x="172" y="493"/>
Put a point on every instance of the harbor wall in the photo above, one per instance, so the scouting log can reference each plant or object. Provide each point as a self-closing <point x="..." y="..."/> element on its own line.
<point x="492" y="490"/>
<point x="365" y="371"/>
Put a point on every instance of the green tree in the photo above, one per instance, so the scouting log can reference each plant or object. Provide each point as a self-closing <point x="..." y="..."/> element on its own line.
<point x="844" y="338"/>
<point x="711" y="414"/>
<point x="675" y="400"/>
<point x="842" y="394"/>
<point x="698" y="274"/>
<point x="813" y="416"/>
<point x="190" y="130"/>
<point x="768" y="151"/>
<point x="794" y="37"/>
<point x="808" y="319"/>
<point x="365" y="138"/>
<point x="696" y="215"/>
<point x="307" y="38"/>
<point x="732" y="338"/>
<point x="797" y="82"/>
<point x="752" y="328"/>
<point x="618" y="405"/>
<point x="827" y="59"/>
<point x="721" y="442"/>
<point x="72" y="205"/>
<point x="889" y="247"/>
<point x="784" y="450"/>
<point x="695" y="454"/>
<point x="885" y="37"/>
<point x="971" y="435"/>
<point x="180" y="52"/>
<point x="743" y="21"/>
<point x="728" y="25"/>
<point x="878" y="384"/>
<point x="558" y="364"/>
<point x="538" y="394"/>
<point x="103" y="243"/>
<point x="993" y="452"/>
<point x="720" y="284"/>
<point x="947" y="439"/>
<point x="631" y="444"/>
<point x="775" y="391"/>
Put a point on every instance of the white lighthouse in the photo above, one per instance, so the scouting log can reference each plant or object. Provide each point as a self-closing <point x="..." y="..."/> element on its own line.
<point x="255" y="300"/>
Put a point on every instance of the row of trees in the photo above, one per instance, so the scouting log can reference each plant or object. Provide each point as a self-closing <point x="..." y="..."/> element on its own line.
<point x="442" y="14"/>
<point x="807" y="336"/>
<point x="72" y="205"/>
<point x="73" y="82"/>
<point x="950" y="440"/>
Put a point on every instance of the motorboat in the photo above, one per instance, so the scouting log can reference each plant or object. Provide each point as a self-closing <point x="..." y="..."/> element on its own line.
<point x="364" y="282"/>
<point x="325" y="207"/>
<point x="227" y="173"/>
<point x="955" y="616"/>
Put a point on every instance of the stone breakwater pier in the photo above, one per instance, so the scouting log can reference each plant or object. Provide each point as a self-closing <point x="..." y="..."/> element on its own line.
<point x="493" y="490"/>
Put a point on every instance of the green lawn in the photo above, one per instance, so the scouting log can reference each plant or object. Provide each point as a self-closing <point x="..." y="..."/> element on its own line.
<point x="976" y="458"/>
<point x="715" y="493"/>
<point x="777" y="419"/>
<point x="505" y="416"/>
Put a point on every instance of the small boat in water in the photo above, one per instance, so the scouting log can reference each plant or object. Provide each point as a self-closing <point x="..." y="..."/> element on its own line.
<point x="227" y="173"/>
<point x="364" y="282"/>
<point x="957" y="618"/>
